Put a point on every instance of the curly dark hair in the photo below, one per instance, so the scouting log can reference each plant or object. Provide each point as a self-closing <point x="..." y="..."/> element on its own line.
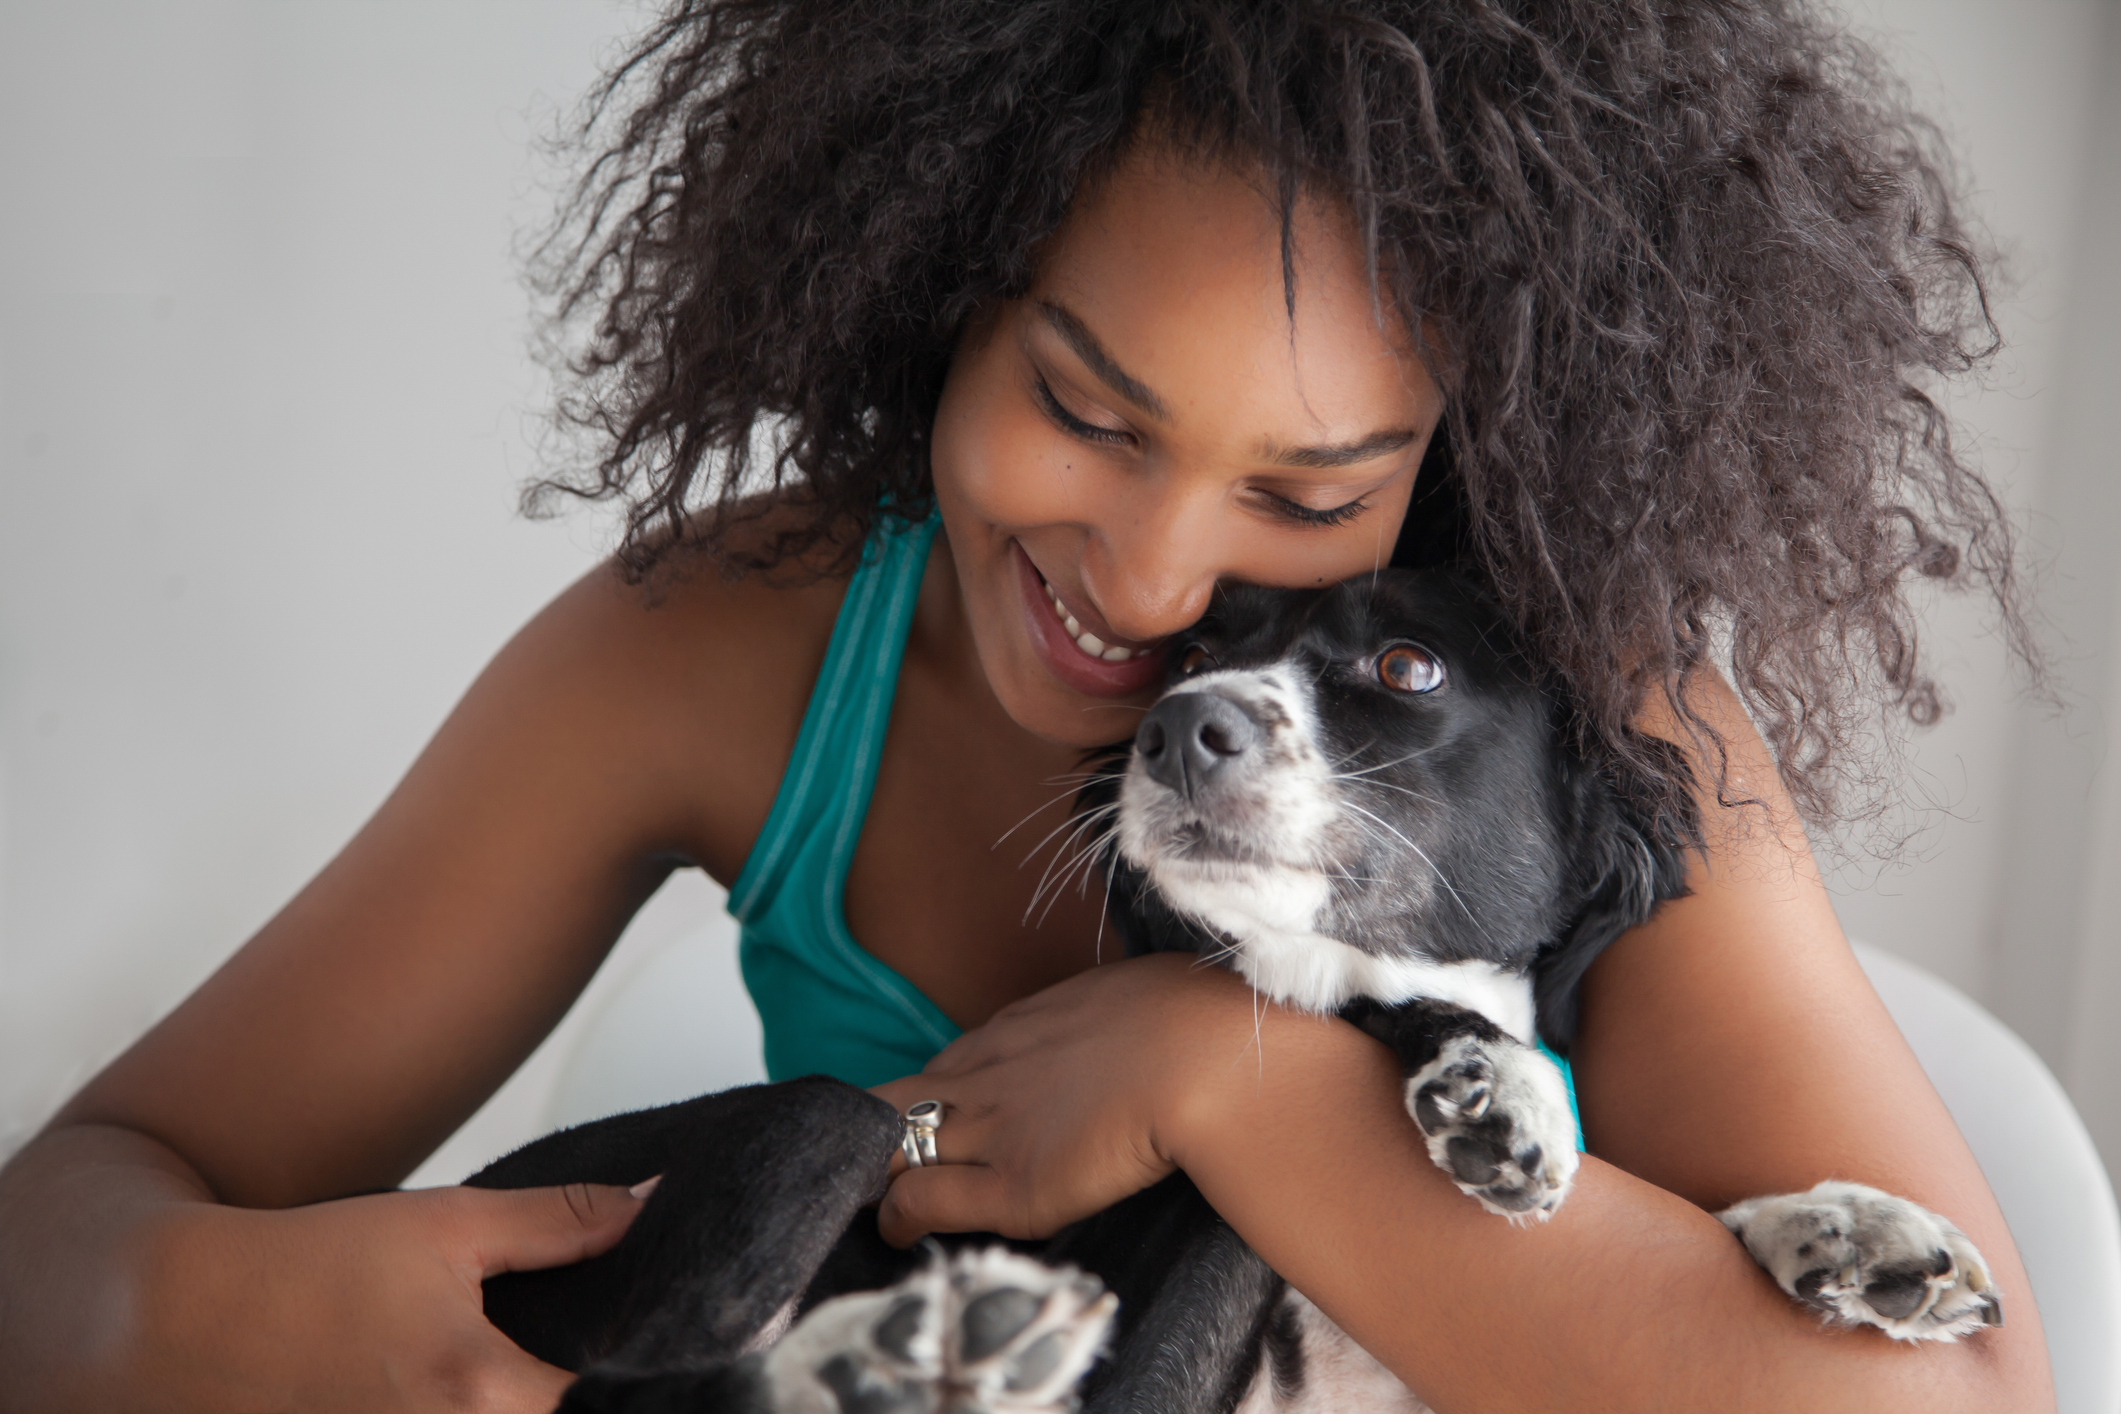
<point x="1695" y="261"/>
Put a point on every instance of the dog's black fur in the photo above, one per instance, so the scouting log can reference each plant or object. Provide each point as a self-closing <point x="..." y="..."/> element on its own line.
<point x="1505" y="844"/>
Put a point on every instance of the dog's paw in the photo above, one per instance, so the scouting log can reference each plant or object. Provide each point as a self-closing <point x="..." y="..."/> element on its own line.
<point x="1870" y="1259"/>
<point x="1021" y="1333"/>
<point x="1497" y="1118"/>
<point x="986" y="1332"/>
<point x="880" y="1352"/>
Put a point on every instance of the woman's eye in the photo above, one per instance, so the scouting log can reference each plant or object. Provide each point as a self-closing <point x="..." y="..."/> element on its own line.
<point x="1405" y="668"/>
<point x="1069" y="423"/>
<point x="1195" y="660"/>
<point x="1312" y="515"/>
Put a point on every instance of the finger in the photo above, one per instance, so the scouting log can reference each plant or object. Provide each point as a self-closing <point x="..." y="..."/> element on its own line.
<point x="903" y="1095"/>
<point x="497" y="1375"/>
<point x="961" y="1138"/>
<point x="524" y="1229"/>
<point x="948" y="1198"/>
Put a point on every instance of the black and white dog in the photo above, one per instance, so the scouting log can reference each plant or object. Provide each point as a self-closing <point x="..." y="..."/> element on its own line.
<point x="1365" y="801"/>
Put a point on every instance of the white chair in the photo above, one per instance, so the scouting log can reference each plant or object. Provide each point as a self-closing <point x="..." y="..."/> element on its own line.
<point x="680" y="1025"/>
<point x="2040" y="1163"/>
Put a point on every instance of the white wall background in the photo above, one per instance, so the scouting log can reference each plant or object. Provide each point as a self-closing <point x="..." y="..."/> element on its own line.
<point x="264" y="406"/>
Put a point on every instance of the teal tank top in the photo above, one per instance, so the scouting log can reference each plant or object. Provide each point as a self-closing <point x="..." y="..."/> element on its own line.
<point x="826" y="1005"/>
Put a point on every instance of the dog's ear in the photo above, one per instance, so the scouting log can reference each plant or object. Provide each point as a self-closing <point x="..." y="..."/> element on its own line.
<point x="1629" y="854"/>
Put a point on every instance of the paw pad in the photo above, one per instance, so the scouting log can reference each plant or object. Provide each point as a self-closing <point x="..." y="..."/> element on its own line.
<point x="1497" y="1119"/>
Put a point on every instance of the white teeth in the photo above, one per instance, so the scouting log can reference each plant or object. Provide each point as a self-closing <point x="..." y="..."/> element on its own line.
<point x="1090" y="643"/>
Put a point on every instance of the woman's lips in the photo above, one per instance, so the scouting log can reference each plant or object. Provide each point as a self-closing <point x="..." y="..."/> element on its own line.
<point x="1094" y="676"/>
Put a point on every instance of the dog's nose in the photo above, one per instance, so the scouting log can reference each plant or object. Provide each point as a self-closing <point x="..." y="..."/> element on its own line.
<point x="1188" y="737"/>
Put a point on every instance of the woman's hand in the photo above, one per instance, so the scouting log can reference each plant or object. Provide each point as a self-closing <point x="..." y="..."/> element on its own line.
<point x="362" y="1304"/>
<point x="1075" y="1097"/>
<point x="154" y="1298"/>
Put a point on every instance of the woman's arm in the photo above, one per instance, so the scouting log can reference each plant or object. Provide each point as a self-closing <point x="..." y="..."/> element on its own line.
<point x="1729" y="1048"/>
<point x="372" y="1015"/>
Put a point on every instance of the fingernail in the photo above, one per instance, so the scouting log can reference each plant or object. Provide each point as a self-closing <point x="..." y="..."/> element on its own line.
<point x="645" y="1187"/>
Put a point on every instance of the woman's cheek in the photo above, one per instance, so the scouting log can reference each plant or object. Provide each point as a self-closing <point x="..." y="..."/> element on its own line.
<point x="1014" y="473"/>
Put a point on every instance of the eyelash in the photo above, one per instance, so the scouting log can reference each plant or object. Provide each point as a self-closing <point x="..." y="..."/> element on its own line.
<point x="1074" y="426"/>
<point x="1293" y="511"/>
<point x="1308" y="515"/>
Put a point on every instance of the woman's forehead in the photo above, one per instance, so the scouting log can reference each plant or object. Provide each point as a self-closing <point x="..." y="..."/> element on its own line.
<point x="1174" y="266"/>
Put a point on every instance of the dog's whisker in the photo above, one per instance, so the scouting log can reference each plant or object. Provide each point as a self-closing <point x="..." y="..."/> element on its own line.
<point x="1054" y="881"/>
<point x="1062" y="862"/>
<point x="1070" y="826"/>
<point x="1403" y="790"/>
<point x="1396" y="834"/>
<point x="1380" y="766"/>
<point x="1351" y="755"/>
<point x="1084" y="858"/>
<point x="1089" y="848"/>
<point x="1040" y="810"/>
<point x="1456" y="897"/>
<point x="1098" y="953"/>
<point x="1471" y="916"/>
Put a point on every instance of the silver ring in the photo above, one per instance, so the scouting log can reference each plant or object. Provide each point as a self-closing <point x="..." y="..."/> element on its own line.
<point x="918" y="1142"/>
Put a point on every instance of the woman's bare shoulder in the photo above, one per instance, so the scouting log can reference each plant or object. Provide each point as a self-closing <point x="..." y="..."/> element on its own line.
<point x="708" y="670"/>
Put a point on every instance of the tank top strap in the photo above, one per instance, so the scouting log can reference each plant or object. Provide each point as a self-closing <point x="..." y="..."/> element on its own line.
<point x="832" y="770"/>
<point x="826" y="1002"/>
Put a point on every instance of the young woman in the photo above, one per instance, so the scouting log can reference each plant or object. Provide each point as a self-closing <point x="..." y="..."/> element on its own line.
<point x="1044" y="319"/>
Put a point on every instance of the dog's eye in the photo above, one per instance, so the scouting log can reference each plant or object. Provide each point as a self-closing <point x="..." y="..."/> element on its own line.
<point x="1195" y="660"/>
<point x="1405" y="668"/>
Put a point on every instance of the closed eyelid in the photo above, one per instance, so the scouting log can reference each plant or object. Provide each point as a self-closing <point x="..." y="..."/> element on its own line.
<point x="1069" y="421"/>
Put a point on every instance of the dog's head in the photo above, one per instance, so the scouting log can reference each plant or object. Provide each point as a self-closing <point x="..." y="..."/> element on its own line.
<point x="1343" y="791"/>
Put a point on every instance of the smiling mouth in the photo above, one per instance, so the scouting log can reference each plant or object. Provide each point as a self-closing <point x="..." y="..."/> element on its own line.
<point x="1089" y="642"/>
<point x="1079" y="658"/>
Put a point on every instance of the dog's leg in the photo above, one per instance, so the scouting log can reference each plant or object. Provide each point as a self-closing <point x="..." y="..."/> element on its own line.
<point x="1494" y="1110"/>
<point x="1868" y="1258"/>
<point x="758" y="1186"/>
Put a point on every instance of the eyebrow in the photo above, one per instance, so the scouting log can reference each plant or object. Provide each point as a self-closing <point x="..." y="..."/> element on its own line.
<point x="1078" y="337"/>
<point x="1343" y="453"/>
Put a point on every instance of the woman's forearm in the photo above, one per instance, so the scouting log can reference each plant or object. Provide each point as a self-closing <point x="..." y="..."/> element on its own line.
<point x="1629" y="1298"/>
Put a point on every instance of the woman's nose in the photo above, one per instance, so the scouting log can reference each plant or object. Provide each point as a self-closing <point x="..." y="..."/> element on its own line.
<point x="1153" y="564"/>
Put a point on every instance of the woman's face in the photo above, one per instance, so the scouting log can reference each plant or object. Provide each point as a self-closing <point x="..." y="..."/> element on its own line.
<point x="1147" y="420"/>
